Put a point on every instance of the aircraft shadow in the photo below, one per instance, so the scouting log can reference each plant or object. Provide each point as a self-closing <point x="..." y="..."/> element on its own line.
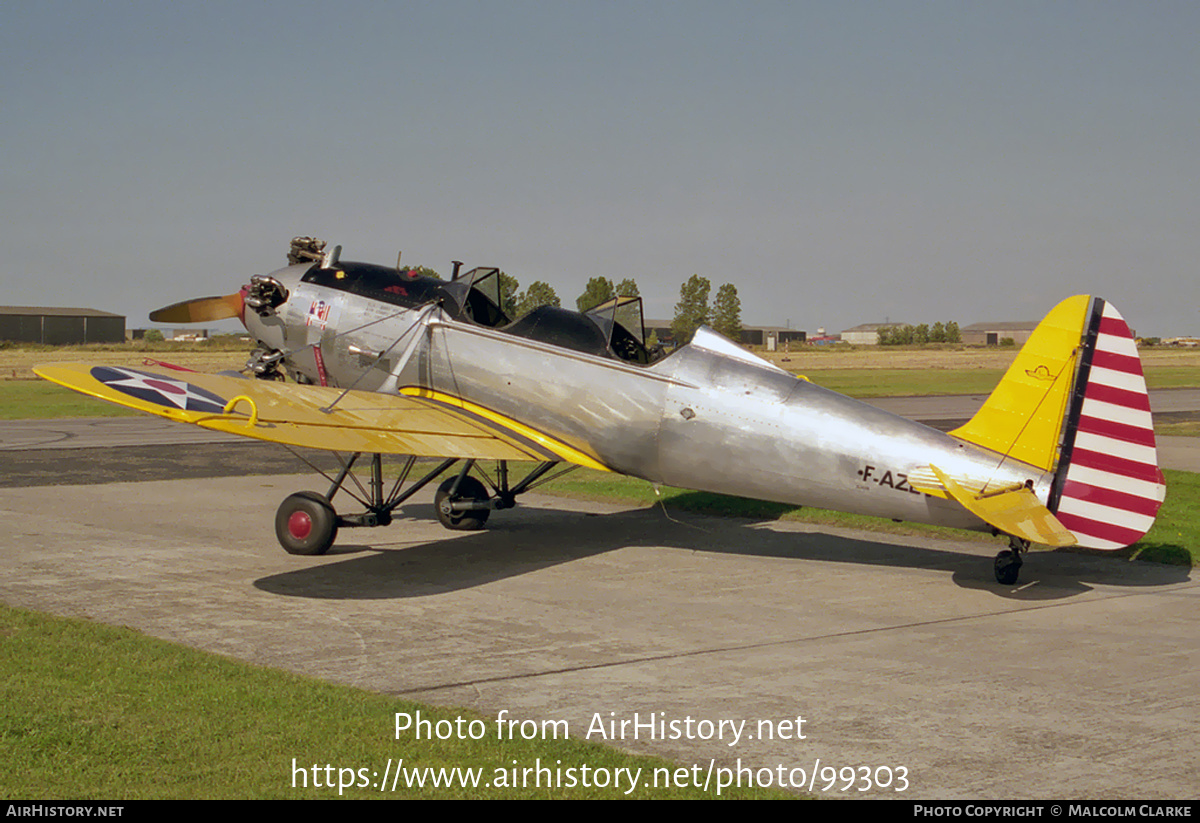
<point x="526" y="540"/>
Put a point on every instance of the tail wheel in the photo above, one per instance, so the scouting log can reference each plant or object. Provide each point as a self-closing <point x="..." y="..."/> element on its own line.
<point x="306" y="524"/>
<point x="468" y="489"/>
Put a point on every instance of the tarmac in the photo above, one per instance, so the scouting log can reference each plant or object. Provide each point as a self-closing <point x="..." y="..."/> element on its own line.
<point x="902" y="655"/>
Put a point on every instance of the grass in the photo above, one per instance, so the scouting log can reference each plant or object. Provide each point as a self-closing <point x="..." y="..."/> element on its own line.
<point x="1172" y="377"/>
<point x="907" y="382"/>
<point x="43" y="400"/>
<point x="1175" y="536"/>
<point x="1189" y="428"/>
<point x="873" y="371"/>
<point x="92" y="711"/>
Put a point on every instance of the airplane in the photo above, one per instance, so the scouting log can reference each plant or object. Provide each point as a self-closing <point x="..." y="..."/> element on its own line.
<point x="369" y="359"/>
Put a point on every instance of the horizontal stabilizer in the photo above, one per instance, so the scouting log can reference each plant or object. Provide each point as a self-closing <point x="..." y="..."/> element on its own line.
<point x="1015" y="511"/>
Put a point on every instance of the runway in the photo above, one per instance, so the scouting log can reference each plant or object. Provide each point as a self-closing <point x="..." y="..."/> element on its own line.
<point x="897" y="652"/>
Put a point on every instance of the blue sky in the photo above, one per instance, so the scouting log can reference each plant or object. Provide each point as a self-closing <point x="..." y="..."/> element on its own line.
<point x="838" y="162"/>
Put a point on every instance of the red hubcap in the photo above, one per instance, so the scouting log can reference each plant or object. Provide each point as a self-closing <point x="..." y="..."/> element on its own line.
<point x="299" y="525"/>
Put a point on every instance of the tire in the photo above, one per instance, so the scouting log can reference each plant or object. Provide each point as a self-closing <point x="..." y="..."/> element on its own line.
<point x="1008" y="568"/>
<point x="468" y="489"/>
<point x="306" y="524"/>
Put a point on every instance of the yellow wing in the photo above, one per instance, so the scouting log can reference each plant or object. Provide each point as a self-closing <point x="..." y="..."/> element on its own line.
<point x="418" y="422"/>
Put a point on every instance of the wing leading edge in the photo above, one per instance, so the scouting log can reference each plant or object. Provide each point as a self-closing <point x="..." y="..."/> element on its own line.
<point x="417" y="422"/>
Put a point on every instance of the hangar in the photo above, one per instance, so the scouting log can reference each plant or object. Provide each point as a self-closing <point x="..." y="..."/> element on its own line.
<point x="769" y="337"/>
<point x="990" y="334"/>
<point x="60" y="326"/>
<point x="867" y="334"/>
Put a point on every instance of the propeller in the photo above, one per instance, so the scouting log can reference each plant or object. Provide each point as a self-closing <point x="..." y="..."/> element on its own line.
<point x="200" y="310"/>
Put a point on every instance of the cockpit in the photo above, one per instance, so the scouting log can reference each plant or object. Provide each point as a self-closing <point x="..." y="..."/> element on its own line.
<point x="612" y="329"/>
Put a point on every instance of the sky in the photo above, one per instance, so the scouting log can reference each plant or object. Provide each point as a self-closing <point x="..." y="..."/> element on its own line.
<point x="838" y="162"/>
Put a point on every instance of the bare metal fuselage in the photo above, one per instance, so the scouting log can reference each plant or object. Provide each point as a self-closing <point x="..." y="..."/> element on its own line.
<point x="710" y="416"/>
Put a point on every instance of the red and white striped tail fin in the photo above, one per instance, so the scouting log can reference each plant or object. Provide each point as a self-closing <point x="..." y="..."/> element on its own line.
<point x="1108" y="486"/>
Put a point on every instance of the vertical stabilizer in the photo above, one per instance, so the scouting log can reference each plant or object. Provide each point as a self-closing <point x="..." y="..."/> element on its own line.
<point x="1108" y="487"/>
<point x="1074" y="402"/>
<point x="1024" y="416"/>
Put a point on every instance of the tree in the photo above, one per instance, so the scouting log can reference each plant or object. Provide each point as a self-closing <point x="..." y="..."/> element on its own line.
<point x="539" y="294"/>
<point x="627" y="288"/>
<point x="692" y="309"/>
<point x="153" y="336"/>
<point x="425" y="271"/>
<point x="508" y="293"/>
<point x="727" y="313"/>
<point x="598" y="290"/>
<point x="919" y="335"/>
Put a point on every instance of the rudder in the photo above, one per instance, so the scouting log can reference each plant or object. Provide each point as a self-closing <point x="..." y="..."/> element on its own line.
<point x="1108" y="487"/>
<point x="1074" y="402"/>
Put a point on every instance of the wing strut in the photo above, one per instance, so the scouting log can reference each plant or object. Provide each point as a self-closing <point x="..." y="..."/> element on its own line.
<point x="389" y="385"/>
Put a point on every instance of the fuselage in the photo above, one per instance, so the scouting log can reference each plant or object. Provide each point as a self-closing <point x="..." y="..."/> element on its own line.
<point x="710" y="416"/>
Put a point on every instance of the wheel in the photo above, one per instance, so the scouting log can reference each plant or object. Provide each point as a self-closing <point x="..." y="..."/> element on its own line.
<point x="306" y="523"/>
<point x="1008" y="567"/>
<point x="468" y="489"/>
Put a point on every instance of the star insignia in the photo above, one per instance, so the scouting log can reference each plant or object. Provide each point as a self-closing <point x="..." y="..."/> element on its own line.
<point x="163" y="391"/>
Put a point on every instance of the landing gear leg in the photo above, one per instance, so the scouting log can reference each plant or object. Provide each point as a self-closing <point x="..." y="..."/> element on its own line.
<point x="1008" y="562"/>
<point x="463" y="502"/>
<point x="307" y="523"/>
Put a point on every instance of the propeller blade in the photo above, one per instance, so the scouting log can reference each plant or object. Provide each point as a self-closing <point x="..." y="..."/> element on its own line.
<point x="200" y="310"/>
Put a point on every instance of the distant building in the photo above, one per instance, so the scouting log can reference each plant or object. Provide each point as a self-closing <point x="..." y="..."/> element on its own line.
<point x="990" y="334"/>
<point x="54" y="326"/>
<point x="771" y="337"/>
<point x="661" y="329"/>
<point x="867" y="334"/>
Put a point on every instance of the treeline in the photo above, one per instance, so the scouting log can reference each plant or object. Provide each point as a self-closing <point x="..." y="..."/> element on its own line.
<point x="517" y="303"/>
<point x="692" y="310"/>
<point x="924" y="333"/>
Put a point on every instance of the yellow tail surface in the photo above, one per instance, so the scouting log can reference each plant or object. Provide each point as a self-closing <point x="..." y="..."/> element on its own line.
<point x="1075" y="403"/>
<point x="1023" y="418"/>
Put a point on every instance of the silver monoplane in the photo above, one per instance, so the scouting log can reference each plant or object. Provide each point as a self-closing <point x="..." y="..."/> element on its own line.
<point x="370" y="360"/>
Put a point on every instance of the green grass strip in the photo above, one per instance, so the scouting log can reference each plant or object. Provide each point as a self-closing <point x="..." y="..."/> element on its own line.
<point x="1174" y="538"/>
<point x="90" y="711"/>
<point x="43" y="400"/>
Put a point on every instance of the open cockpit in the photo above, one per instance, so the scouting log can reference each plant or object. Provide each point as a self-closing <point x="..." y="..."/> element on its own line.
<point x="612" y="329"/>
